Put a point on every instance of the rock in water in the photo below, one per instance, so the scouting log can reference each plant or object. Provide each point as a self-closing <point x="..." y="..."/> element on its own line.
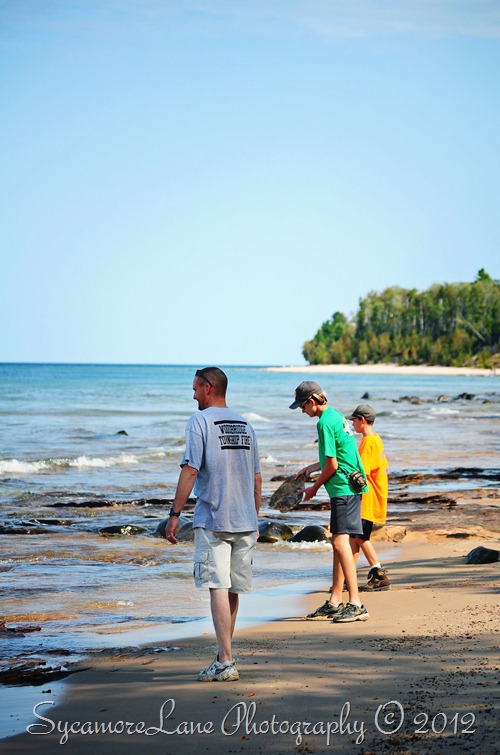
<point x="312" y="533"/>
<point x="185" y="531"/>
<point x="122" y="529"/>
<point x="273" y="532"/>
<point x="287" y="496"/>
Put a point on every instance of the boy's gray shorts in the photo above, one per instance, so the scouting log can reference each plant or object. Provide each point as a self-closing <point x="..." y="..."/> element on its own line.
<point x="345" y="516"/>
<point x="223" y="559"/>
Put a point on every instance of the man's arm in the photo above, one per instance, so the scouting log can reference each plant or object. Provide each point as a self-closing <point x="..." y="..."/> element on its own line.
<point x="331" y="466"/>
<point x="185" y="485"/>
<point x="257" y="491"/>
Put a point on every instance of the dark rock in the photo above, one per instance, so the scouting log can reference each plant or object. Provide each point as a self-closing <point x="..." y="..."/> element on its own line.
<point x="18" y="631"/>
<point x="311" y="534"/>
<point x="185" y="531"/>
<point x="33" y="672"/>
<point x="482" y="555"/>
<point x="273" y="532"/>
<point x="412" y="399"/>
<point x="105" y="503"/>
<point x="432" y="499"/>
<point x="122" y="529"/>
<point x="100" y="503"/>
<point x="465" y="397"/>
<point x="287" y="496"/>
<point x="21" y="530"/>
<point x="473" y="472"/>
<point x="366" y="396"/>
<point x="121" y="432"/>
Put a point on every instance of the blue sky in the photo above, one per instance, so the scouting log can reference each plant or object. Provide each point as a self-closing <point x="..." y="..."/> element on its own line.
<point x="206" y="181"/>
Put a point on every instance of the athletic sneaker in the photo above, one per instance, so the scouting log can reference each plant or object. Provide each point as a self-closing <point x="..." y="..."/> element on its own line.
<point x="219" y="672"/>
<point x="377" y="581"/>
<point x="326" y="611"/>
<point x="351" y="612"/>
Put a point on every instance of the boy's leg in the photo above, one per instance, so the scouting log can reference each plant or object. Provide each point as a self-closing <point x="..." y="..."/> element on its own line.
<point x="344" y="555"/>
<point x="338" y="579"/>
<point x="356" y="544"/>
<point x="369" y="552"/>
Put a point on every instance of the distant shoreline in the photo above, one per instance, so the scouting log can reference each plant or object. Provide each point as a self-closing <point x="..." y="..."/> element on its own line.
<point x="387" y="369"/>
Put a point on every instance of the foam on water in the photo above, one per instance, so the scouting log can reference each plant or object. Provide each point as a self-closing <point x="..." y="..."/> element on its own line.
<point x="15" y="466"/>
<point x="255" y="418"/>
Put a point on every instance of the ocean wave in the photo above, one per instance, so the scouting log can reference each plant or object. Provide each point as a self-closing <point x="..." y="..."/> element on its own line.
<point x="443" y="410"/>
<point x="255" y="418"/>
<point x="268" y="459"/>
<point x="17" y="467"/>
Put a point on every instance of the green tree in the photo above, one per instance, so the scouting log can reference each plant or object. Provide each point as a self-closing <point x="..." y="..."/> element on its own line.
<point x="448" y="323"/>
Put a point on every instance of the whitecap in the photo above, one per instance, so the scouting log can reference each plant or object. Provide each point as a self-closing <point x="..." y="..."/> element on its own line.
<point x="254" y="418"/>
<point x="85" y="461"/>
<point x="443" y="410"/>
<point x="268" y="459"/>
<point x="14" y="466"/>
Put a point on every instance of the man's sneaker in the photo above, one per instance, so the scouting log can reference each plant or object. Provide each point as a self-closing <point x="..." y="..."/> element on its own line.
<point x="326" y="611"/>
<point x="351" y="612"/>
<point x="219" y="672"/>
<point x="377" y="581"/>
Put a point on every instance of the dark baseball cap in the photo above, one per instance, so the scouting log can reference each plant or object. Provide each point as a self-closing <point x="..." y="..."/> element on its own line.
<point x="363" y="411"/>
<point x="304" y="391"/>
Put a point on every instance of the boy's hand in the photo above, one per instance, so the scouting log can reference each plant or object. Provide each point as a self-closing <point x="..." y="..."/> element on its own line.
<point x="308" y="493"/>
<point x="304" y="471"/>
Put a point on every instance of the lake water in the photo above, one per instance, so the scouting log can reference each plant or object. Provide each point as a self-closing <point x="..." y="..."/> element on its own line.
<point x="74" y="434"/>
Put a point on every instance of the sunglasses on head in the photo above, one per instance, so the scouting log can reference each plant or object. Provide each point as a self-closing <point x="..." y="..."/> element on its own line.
<point x="200" y="374"/>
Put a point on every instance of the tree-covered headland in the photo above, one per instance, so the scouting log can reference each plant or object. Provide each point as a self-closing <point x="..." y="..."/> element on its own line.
<point x="450" y="324"/>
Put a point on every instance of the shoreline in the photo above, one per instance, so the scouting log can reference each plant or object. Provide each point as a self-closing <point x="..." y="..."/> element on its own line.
<point x="387" y="369"/>
<point x="432" y="633"/>
<point x="435" y="629"/>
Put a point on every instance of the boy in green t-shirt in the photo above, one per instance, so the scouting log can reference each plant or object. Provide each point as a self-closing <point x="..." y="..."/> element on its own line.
<point x="338" y="458"/>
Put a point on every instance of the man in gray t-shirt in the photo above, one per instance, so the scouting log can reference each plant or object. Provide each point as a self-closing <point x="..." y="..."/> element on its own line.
<point x="221" y="462"/>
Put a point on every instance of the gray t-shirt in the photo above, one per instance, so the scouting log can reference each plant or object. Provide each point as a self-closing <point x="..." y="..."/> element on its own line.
<point x="222" y="446"/>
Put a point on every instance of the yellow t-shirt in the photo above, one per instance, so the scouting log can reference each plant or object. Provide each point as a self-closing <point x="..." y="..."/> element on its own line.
<point x="374" y="502"/>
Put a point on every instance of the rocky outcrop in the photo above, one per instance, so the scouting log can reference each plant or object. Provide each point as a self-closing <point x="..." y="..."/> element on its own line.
<point x="481" y="555"/>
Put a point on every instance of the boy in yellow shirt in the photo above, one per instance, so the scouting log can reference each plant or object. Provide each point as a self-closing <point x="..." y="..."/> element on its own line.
<point x="374" y="502"/>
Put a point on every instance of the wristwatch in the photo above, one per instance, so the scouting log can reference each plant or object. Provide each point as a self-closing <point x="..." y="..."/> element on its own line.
<point x="174" y="513"/>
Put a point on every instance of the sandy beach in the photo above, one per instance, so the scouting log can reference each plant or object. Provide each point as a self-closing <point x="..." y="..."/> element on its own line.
<point x="421" y="676"/>
<point x="387" y="369"/>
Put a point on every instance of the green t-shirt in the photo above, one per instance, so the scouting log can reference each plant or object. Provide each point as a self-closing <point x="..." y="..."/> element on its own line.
<point x="336" y="439"/>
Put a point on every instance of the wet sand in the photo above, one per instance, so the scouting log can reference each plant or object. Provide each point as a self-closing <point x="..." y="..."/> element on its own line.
<point x="420" y="676"/>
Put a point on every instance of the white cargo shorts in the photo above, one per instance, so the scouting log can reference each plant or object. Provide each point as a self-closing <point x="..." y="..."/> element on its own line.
<point x="223" y="559"/>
